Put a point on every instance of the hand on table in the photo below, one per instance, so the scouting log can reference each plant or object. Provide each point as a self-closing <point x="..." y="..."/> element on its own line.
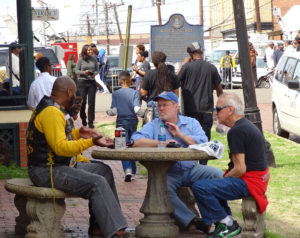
<point x="87" y="133"/>
<point x="103" y="141"/>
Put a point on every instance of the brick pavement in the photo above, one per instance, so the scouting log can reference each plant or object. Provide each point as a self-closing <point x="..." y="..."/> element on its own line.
<point x="131" y="196"/>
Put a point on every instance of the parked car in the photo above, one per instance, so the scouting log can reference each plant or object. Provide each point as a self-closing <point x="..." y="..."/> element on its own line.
<point x="286" y="96"/>
<point x="112" y="78"/>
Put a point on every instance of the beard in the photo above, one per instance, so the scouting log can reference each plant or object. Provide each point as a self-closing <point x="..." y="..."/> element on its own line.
<point x="70" y="108"/>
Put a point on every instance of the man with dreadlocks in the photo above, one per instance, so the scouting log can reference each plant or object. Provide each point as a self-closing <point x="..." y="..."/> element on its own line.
<point x="158" y="80"/>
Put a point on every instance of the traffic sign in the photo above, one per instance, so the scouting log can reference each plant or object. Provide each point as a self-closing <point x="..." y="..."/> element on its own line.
<point x="45" y="14"/>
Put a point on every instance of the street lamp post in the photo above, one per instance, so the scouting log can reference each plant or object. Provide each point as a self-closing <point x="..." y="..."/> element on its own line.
<point x="251" y="110"/>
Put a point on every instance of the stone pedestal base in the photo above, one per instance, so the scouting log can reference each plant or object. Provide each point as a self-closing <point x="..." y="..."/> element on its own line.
<point x="39" y="218"/>
<point x="157" y="208"/>
<point x="254" y="222"/>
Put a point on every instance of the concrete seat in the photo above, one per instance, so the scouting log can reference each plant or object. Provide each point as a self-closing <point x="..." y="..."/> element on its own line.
<point x="40" y="214"/>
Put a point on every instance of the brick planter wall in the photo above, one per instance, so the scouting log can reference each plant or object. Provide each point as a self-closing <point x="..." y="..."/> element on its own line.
<point x="22" y="135"/>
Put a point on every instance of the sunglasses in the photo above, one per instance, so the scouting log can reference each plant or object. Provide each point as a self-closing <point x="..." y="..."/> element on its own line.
<point x="219" y="108"/>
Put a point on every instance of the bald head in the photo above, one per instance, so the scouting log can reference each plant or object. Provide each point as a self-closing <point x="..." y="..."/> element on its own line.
<point x="62" y="83"/>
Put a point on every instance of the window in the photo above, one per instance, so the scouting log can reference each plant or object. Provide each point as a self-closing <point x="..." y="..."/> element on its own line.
<point x="279" y="70"/>
<point x="289" y="70"/>
<point x="12" y="83"/>
<point x="297" y="72"/>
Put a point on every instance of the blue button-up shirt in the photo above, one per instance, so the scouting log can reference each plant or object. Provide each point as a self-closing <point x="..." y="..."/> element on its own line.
<point x="187" y="125"/>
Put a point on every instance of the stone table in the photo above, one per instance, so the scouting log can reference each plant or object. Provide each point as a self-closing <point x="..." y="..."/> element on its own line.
<point x="157" y="208"/>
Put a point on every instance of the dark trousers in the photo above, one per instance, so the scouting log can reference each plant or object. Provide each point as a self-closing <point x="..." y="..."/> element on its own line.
<point x="88" y="91"/>
<point x="206" y="122"/>
<point x="226" y="74"/>
<point x="254" y="76"/>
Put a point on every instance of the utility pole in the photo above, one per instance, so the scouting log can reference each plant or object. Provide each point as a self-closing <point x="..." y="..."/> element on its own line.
<point x="158" y="3"/>
<point x="201" y="12"/>
<point x="118" y="25"/>
<point x="89" y="35"/>
<point x="107" y="28"/>
<point x="96" y="5"/>
<point x="44" y="24"/>
<point x="257" y="15"/>
<point x="251" y="110"/>
<point x="127" y="37"/>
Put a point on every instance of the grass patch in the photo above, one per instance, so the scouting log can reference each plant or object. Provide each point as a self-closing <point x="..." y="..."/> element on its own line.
<point x="12" y="171"/>
<point x="283" y="212"/>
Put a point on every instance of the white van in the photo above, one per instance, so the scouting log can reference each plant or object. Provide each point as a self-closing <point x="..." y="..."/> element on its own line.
<point x="286" y="96"/>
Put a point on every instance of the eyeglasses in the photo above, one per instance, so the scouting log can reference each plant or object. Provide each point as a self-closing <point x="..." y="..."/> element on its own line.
<point x="164" y="105"/>
<point x="219" y="108"/>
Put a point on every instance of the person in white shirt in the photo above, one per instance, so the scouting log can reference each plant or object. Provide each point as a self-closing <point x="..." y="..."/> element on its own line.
<point x="290" y="47"/>
<point x="269" y="55"/>
<point x="42" y="85"/>
<point x="14" y="68"/>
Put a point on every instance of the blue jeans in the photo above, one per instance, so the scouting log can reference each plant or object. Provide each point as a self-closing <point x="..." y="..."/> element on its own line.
<point x="130" y="126"/>
<point x="186" y="178"/>
<point x="212" y="196"/>
<point x="155" y="114"/>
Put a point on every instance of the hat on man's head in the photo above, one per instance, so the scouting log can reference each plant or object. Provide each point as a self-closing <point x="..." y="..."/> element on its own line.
<point x="195" y="46"/>
<point x="14" y="45"/>
<point x="167" y="95"/>
<point x="280" y="43"/>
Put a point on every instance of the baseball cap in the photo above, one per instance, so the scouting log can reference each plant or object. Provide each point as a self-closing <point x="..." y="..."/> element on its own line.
<point x="193" y="47"/>
<point x="167" y="95"/>
<point x="212" y="148"/>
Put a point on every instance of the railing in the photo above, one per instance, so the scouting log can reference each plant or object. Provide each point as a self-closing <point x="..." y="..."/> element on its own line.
<point x="13" y="88"/>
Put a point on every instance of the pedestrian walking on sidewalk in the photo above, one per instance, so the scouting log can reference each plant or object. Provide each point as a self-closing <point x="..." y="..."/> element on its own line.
<point x="126" y="104"/>
<point x="87" y="68"/>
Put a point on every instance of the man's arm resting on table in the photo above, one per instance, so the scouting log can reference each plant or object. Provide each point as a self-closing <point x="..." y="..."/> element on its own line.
<point x="145" y="142"/>
<point x="239" y="168"/>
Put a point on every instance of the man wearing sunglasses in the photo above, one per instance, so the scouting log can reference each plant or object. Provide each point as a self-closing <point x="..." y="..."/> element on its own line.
<point x="247" y="174"/>
<point x="183" y="131"/>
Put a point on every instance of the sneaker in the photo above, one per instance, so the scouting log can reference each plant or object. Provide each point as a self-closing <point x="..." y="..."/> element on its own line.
<point x="84" y="123"/>
<point x="128" y="177"/>
<point x="222" y="230"/>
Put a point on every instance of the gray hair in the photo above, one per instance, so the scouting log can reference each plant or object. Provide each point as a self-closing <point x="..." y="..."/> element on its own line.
<point x="232" y="99"/>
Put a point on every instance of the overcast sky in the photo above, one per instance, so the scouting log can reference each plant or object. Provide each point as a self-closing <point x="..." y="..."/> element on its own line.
<point x="143" y="14"/>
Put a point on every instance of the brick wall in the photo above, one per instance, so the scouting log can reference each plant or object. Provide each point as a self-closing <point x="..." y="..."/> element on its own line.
<point x="284" y="6"/>
<point x="22" y="135"/>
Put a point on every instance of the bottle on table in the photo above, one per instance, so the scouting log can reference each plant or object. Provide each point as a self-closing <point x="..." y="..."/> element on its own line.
<point x="162" y="137"/>
<point x="120" y="138"/>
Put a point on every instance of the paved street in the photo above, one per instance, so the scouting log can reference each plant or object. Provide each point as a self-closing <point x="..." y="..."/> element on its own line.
<point x="131" y="194"/>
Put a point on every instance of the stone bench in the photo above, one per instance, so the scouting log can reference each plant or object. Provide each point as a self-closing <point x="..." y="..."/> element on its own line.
<point x="254" y="222"/>
<point x="40" y="216"/>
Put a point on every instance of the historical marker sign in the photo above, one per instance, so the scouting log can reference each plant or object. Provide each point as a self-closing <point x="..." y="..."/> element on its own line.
<point x="173" y="37"/>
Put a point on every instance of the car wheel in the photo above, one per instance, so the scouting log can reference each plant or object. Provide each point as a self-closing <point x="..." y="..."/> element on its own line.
<point x="277" y="127"/>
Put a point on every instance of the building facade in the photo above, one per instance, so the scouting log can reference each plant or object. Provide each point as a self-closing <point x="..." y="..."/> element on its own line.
<point x="222" y="23"/>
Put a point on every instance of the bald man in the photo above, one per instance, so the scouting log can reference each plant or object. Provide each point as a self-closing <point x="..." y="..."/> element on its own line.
<point x="51" y="149"/>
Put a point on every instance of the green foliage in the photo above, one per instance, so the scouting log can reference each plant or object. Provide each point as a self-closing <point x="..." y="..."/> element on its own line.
<point x="12" y="171"/>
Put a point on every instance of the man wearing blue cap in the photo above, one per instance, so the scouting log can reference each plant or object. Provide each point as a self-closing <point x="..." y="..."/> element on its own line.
<point x="184" y="131"/>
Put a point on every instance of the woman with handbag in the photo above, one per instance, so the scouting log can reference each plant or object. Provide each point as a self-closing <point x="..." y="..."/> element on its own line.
<point x="157" y="80"/>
